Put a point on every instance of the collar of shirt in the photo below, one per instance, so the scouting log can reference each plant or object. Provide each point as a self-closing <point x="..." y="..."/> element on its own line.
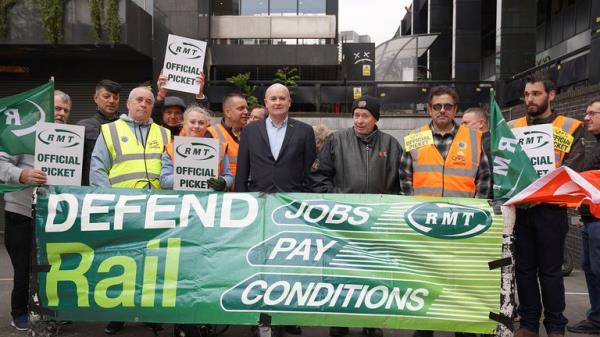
<point x="270" y="123"/>
<point x="451" y="133"/>
<point x="276" y="135"/>
<point x="229" y="129"/>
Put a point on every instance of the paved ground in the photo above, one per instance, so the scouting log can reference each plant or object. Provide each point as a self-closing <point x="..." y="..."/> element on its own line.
<point x="577" y="303"/>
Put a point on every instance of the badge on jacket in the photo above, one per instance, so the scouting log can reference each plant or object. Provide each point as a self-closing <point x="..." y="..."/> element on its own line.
<point x="417" y="140"/>
<point x="315" y="165"/>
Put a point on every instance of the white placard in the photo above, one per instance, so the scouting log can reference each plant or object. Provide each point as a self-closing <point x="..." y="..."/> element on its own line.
<point x="184" y="59"/>
<point x="59" y="152"/>
<point x="538" y="143"/>
<point x="196" y="160"/>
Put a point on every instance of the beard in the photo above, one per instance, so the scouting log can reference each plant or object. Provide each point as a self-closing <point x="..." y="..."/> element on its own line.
<point x="536" y="110"/>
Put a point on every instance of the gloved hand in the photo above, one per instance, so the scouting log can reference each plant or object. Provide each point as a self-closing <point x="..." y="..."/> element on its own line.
<point x="217" y="184"/>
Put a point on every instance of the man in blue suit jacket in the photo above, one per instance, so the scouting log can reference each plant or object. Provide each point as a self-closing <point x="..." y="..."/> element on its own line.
<point x="276" y="154"/>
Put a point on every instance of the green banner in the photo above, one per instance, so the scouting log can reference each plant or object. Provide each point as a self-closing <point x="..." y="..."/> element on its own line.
<point x="511" y="166"/>
<point x="307" y="259"/>
<point x="20" y="113"/>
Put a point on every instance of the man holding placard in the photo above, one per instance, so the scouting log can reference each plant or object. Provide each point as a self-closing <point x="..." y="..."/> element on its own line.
<point x="19" y="230"/>
<point x="540" y="230"/>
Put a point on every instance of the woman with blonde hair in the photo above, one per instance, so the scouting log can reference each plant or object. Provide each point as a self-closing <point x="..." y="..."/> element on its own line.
<point x="196" y="121"/>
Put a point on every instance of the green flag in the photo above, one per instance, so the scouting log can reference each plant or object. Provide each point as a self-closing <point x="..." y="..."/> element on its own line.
<point x="19" y="115"/>
<point x="511" y="166"/>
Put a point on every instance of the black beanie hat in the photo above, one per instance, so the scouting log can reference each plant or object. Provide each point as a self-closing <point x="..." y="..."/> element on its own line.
<point x="174" y="101"/>
<point x="369" y="103"/>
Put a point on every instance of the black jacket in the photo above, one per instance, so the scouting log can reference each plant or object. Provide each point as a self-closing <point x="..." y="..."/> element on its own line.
<point x="349" y="163"/>
<point x="289" y="173"/>
<point x="92" y="131"/>
<point x="593" y="163"/>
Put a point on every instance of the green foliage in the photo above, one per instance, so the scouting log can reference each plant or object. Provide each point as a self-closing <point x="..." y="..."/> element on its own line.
<point x="242" y="82"/>
<point x="52" y="12"/>
<point x="96" y="7"/>
<point x="112" y="22"/>
<point x="288" y="77"/>
<point x="5" y="5"/>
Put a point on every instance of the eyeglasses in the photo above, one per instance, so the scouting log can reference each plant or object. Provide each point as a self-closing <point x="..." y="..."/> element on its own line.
<point x="438" y="107"/>
<point x="592" y="113"/>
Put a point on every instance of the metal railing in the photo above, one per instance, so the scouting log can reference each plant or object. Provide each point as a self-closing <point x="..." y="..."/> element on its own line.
<point x="336" y="96"/>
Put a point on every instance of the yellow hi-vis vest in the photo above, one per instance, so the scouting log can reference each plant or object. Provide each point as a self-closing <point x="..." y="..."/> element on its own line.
<point x="451" y="177"/>
<point x="567" y="124"/>
<point x="134" y="166"/>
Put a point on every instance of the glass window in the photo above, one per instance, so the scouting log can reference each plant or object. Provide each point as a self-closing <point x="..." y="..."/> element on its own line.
<point x="255" y="7"/>
<point x="283" y="7"/>
<point x="226" y="7"/>
<point x="311" y="7"/>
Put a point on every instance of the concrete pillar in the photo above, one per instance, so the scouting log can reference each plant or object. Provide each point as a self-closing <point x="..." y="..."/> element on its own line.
<point x="594" y="56"/>
<point x="440" y="53"/>
<point x="515" y="37"/>
<point x="466" y="48"/>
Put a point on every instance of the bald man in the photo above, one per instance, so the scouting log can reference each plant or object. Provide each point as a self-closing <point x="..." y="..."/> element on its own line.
<point x="475" y="118"/>
<point x="276" y="152"/>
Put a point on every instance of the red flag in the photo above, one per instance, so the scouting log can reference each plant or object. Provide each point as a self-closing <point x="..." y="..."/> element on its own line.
<point x="564" y="186"/>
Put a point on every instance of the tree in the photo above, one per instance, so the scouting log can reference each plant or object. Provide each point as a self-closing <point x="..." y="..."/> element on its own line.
<point x="288" y="77"/>
<point x="242" y="82"/>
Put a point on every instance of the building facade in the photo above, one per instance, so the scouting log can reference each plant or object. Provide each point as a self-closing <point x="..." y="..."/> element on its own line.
<point x="251" y="36"/>
<point x="502" y="40"/>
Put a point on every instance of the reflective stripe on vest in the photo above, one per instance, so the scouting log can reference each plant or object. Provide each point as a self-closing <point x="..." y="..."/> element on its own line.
<point x="567" y="124"/>
<point x="219" y="132"/>
<point x="133" y="165"/>
<point x="451" y="177"/>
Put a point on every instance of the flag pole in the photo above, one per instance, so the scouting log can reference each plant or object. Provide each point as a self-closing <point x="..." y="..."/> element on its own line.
<point x="507" y="274"/>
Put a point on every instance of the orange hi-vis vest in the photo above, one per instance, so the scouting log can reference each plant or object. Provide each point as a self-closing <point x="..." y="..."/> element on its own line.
<point x="222" y="152"/>
<point x="451" y="177"/>
<point x="219" y="132"/>
<point x="567" y="124"/>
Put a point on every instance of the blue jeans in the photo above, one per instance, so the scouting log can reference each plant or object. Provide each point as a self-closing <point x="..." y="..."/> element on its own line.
<point x="590" y="235"/>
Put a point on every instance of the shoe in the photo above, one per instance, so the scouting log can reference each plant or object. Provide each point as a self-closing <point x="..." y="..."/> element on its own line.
<point x="464" y="334"/>
<point x="522" y="332"/>
<point x="584" y="326"/>
<point x="422" y="333"/>
<point x="21" y="323"/>
<point x="293" y="329"/>
<point x="113" y="327"/>
<point x="337" y="331"/>
<point x="372" y="332"/>
<point x="556" y="334"/>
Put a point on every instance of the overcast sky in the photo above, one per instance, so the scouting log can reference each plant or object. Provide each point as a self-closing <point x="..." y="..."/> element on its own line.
<point x="378" y="18"/>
